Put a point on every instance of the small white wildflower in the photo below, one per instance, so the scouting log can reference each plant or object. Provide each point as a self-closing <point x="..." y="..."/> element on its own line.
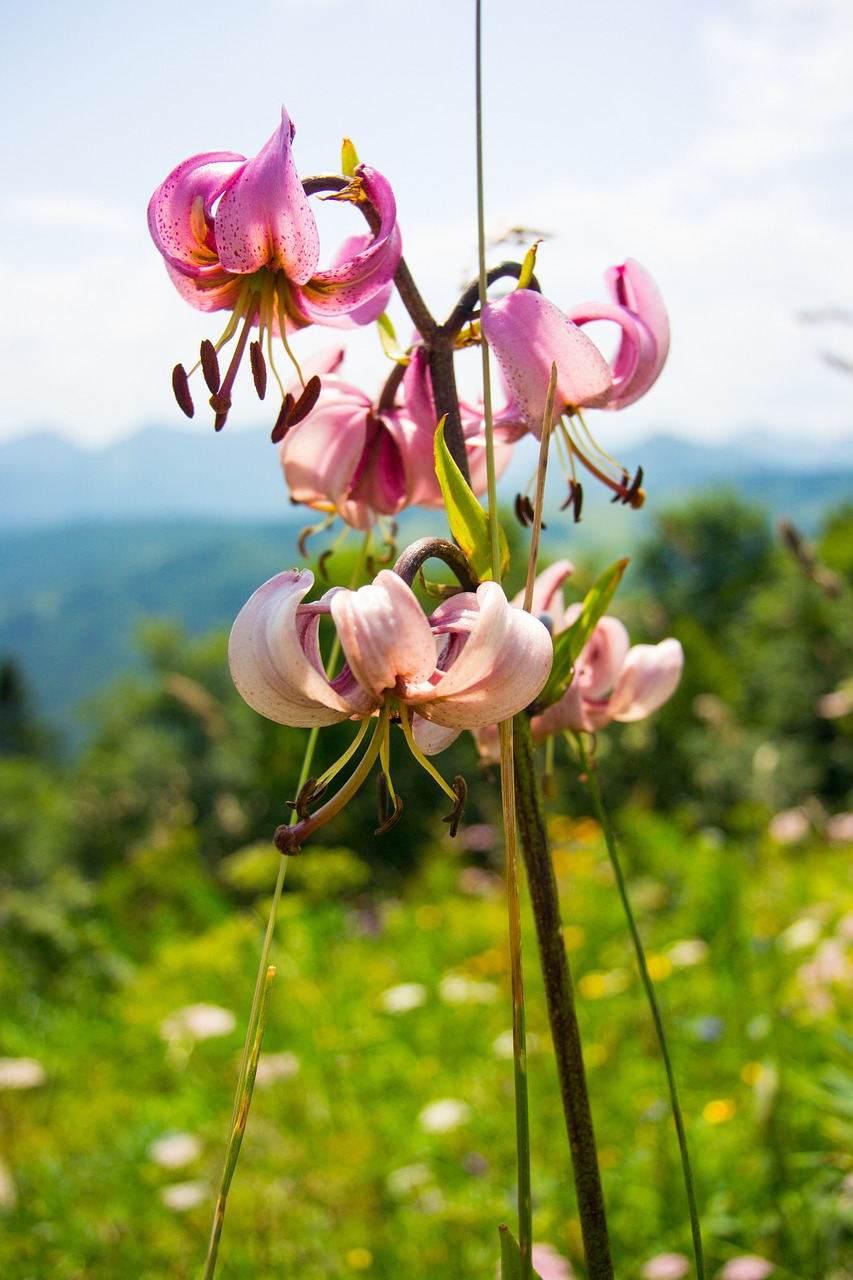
<point x="276" y="1066"/>
<point x="403" y="997"/>
<point x="181" y="1196"/>
<point x="444" y="1116"/>
<point x="681" y="955"/>
<point x="174" y="1150"/>
<point x="801" y="934"/>
<point x="408" y="1178"/>
<point x="198" y="1022"/>
<point x="21" y="1073"/>
<point x="455" y="988"/>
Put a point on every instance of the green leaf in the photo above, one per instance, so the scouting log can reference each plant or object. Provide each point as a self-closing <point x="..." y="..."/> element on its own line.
<point x="469" y="523"/>
<point x="349" y="159"/>
<point x="388" y="338"/>
<point x="568" y="644"/>
<point x="511" y="1256"/>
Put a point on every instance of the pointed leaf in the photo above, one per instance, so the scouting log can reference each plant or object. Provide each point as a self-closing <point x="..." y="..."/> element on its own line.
<point x="349" y="159"/>
<point x="511" y="1256"/>
<point x="568" y="643"/>
<point x="528" y="265"/>
<point x="388" y="338"/>
<point x="469" y="523"/>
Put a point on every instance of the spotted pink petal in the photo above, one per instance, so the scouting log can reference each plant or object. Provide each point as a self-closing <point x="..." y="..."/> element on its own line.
<point x="631" y="347"/>
<point x="275" y="661"/>
<point x="354" y="281"/>
<point x="528" y="334"/>
<point x="263" y="218"/>
<point x="180" y="216"/>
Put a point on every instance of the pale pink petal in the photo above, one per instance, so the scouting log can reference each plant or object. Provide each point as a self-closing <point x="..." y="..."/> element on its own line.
<point x="321" y="454"/>
<point x="432" y="738"/>
<point x="648" y="678"/>
<point x="602" y="657"/>
<point x="263" y="218"/>
<point x="502" y="666"/>
<point x="528" y="334"/>
<point x="568" y="715"/>
<point x="545" y="588"/>
<point x="384" y="634"/>
<point x="270" y="667"/>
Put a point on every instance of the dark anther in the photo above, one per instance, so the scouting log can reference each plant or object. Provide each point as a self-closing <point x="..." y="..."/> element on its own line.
<point x="286" y="842"/>
<point x="321" y="563"/>
<point x="220" y="420"/>
<point x="181" y="388"/>
<point x="306" y="401"/>
<point x="220" y="405"/>
<point x="302" y="541"/>
<point x="393" y="820"/>
<point x="635" y="497"/>
<point x="309" y="794"/>
<point x="259" y="368"/>
<point x="523" y="510"/>
<point x="453" y="819"/>
<point x="574" y="499"/>
<point x="282" y="422"/>
<point x="386" y="820"/>
<point x="210" y="366"/>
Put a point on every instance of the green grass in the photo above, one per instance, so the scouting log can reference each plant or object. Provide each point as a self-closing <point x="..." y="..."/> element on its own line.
<point x="338" y="1176"/>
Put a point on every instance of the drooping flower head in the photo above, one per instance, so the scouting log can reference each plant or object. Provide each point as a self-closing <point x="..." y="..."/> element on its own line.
<point x="612" y="680"/>
<point x="528" y="334"/>
<point x="239" y="235"/>
<point x="363" y="459"/>
<point x="474" y="660"/>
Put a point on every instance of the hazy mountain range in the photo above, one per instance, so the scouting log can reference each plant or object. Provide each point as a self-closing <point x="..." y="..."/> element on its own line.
<point x="185" y="526"/>
<point x="159" y="472"/>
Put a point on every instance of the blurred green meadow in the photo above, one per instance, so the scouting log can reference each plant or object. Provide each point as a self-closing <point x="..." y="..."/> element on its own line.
<point x="134" y="884"/>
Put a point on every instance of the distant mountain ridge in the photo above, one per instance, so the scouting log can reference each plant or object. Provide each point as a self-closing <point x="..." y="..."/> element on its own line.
<point x="164" y="473"/>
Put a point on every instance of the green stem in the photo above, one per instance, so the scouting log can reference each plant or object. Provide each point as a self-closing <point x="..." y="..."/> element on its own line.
<point x="609" y="839"/>
<point x="559" y="995"/>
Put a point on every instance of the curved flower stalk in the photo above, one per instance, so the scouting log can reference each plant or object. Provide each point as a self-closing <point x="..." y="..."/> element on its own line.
<point x="365" y="460"/>
<point x="528" y="333"/>
<point x="474" y="659"/>
<point x="238" y="235"/>
<point x="612" y="680"/>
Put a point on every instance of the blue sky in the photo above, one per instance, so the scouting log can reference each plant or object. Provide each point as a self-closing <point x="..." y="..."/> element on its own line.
<point x="712" y="141"/>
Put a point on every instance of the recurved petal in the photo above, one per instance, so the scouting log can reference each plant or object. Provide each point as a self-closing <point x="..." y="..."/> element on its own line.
<point x="179" y="212"/>
<point x="633" y="288"/>
<point x="263" y="218"/>
<point x="528" y="334"/>
<point x="269" y="664"/>
<point x="631" y="345"/>
<point x="545" y="588"/>
<point x="363" y="268"/>
<point x="384" y="634"/>
<point x="431" y="738"/>
<point x="501" y="667"/>
<point x="648" y="679"/>
<point x="602" y="657"/>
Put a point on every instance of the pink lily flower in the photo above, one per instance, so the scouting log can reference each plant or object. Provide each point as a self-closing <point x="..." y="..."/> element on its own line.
<point x="473" y="660"/>
<point x="351" y="456"/>
<point x="239" y="235"/>
<point x="528" y="334"/>
<point x="612" y="679"/>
